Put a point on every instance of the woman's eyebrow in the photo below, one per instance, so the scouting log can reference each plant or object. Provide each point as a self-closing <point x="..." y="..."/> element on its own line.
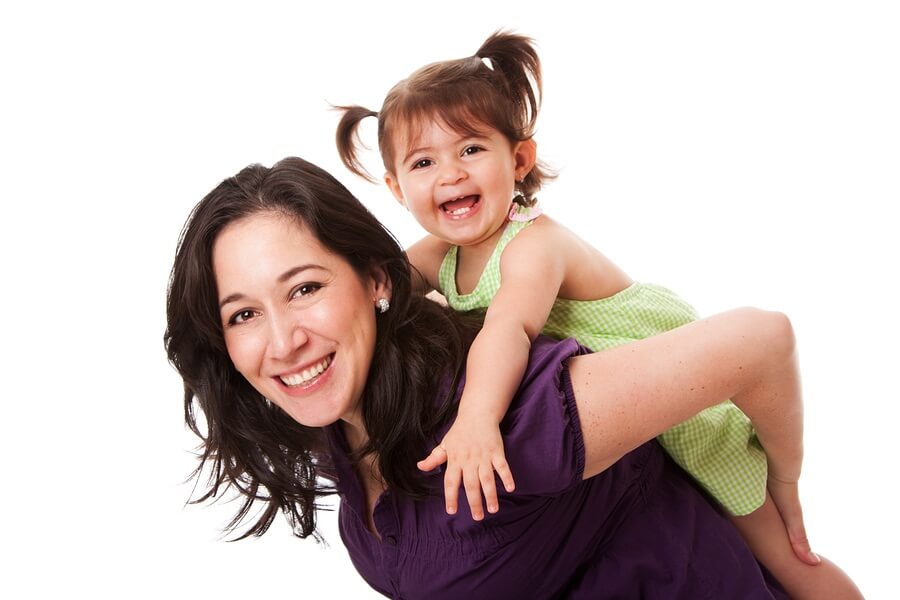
<point x="298" y="269"/>
<point x="281" y="279"/>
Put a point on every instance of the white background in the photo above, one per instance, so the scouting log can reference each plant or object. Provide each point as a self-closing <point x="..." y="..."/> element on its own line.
<point x="738" y="153"/>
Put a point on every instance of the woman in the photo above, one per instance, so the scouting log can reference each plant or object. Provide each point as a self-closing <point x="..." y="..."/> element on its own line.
<point x="291" y="320"/>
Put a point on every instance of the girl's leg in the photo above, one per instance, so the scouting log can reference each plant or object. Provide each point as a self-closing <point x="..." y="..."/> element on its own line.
<point x="765" y="533"/>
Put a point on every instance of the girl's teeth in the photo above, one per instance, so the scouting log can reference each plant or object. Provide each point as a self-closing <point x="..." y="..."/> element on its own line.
<point x="307" y="374"/>
<point x="459" y="211"/>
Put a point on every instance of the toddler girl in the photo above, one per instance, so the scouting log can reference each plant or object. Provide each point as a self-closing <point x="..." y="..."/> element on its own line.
<point x="456" y="140"/>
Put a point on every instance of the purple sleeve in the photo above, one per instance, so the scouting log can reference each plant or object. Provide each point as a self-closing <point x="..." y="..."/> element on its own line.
<point x="541" y="431"/>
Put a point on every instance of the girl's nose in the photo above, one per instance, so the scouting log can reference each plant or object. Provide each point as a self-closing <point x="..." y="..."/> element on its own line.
<point x="452" y="172"/>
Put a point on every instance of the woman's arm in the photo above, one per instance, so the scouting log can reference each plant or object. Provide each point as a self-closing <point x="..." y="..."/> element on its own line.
<point x="631" y="394"/>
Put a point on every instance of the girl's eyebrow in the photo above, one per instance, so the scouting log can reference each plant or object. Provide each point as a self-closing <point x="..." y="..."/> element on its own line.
<point x="476" y="137"/>
<point x="281" y="279"/>
<point x="413" y="151"/>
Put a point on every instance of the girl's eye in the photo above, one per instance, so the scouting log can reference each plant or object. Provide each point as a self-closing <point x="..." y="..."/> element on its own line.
<point x="421" y="164"/>
<point x="242" y="316"/>
<point x="472" y="150"/>
<point x="306" y="289"/>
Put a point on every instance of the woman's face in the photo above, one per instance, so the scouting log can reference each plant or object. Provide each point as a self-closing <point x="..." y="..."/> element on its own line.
<point x="299" y="321"/>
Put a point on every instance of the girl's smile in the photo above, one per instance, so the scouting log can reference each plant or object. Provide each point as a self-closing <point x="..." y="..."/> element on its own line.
<point x="457" y="185"/>
<point x="463" y="207"/>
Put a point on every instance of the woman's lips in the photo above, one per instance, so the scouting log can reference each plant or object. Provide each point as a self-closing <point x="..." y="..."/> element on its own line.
<point x="307" y="377"/>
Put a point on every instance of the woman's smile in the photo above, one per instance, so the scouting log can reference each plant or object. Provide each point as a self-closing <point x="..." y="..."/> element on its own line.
<point x="299" y="321"/>
<point x="309" y="378"/>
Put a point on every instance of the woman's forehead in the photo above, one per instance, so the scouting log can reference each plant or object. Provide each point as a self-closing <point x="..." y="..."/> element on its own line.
<point x="264" y="246"/>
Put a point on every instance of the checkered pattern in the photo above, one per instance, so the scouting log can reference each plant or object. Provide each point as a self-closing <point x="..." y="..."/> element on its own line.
<point x="718" y="447"/>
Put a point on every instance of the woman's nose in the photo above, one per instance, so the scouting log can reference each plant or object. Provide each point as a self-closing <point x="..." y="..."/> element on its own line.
<point x="286" y="337"/>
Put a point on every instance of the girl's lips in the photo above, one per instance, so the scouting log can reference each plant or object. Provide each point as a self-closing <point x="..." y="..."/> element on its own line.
<point x="460" y="207"/>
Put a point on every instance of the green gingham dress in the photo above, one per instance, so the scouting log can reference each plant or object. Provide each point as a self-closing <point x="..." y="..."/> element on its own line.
<point x="718" y="447"/>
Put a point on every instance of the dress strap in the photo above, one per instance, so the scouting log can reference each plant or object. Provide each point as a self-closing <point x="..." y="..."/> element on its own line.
<point x="489" y="282"/>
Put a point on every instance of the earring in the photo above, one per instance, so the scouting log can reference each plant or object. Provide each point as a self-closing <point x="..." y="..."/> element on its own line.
<point x="268" y="403"/>
<point x="383" y="305"/>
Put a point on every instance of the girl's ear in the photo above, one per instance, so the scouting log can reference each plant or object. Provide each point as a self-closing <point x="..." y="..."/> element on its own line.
<point x="525" y="154"/>
<point x="391" y="180"/>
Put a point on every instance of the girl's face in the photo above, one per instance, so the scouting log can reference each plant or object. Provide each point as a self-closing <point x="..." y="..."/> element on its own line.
<point x="457" y="186"/>
<point x="299" y="321"/>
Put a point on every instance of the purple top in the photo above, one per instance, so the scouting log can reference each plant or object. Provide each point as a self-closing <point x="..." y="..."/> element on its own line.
<point x="638" y="530"/>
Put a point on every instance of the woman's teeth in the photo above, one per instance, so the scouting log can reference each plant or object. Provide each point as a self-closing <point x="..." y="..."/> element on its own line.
<point x="306" y="375"/>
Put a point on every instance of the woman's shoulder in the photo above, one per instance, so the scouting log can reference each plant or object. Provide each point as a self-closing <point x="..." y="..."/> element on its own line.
<point x="541" y="430"/>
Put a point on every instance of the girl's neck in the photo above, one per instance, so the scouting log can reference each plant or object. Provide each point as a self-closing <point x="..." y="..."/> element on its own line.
<point x="471" y="259"/>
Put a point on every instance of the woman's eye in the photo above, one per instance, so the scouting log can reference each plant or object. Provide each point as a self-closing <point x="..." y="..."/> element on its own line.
<point x="241" y="316"/>
<point x="421" y="164"/>
<point x="306" y="289"/>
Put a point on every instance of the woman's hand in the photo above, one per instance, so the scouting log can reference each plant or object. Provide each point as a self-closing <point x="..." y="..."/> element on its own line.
<point x="786" y="497"/>
<point x="473" y="450"/>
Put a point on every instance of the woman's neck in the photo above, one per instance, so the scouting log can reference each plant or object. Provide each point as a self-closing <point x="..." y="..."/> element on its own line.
<point x="355" y="433"/>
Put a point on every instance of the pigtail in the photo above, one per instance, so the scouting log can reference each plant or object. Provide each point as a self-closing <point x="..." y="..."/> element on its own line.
<point x="514" y="57"/>
<point x="348" y="141"/>
<point x="498" y="87"/>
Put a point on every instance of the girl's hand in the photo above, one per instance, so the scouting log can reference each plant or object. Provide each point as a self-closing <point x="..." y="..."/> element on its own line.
<point x="473" y="450"/>
<point x="786" y="497"/>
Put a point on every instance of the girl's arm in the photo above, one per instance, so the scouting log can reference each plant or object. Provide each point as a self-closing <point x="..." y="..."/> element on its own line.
<point x="532" y="270"/>
<point x="426" y="257"/>
<point x="630" y="394"/>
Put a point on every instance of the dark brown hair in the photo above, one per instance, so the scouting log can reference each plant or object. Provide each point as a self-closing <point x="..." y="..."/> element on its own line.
<point x="257" y="448"/>
<point x="499" y="88"/>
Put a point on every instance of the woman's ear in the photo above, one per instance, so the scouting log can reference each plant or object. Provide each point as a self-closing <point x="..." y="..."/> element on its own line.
<point x="525" y="155"/>
<point x="391" y="180"/>
<point x="381" y="286"/>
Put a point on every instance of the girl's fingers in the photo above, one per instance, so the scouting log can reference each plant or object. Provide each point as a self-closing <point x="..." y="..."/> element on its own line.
<point x="437" y="457"/>
<point x="489" y="488"/>
<point x="473" y="493"/>
<point x="502" y="468"/>
<point x="451" y="489"/>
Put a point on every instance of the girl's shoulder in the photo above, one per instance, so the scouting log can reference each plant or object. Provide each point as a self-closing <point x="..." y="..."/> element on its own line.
<point x="426" y="256"/>
<point x="548" y="247"/>
<point x="543" y="234"/>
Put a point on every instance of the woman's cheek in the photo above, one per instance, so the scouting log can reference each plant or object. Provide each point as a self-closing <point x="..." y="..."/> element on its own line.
<point x="246" y="352"/>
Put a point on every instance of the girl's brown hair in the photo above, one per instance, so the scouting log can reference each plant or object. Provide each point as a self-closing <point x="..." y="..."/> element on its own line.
<point x="498" y="87"/>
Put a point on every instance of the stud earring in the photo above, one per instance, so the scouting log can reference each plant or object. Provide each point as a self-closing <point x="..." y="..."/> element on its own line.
<point x="383" y="305"/>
